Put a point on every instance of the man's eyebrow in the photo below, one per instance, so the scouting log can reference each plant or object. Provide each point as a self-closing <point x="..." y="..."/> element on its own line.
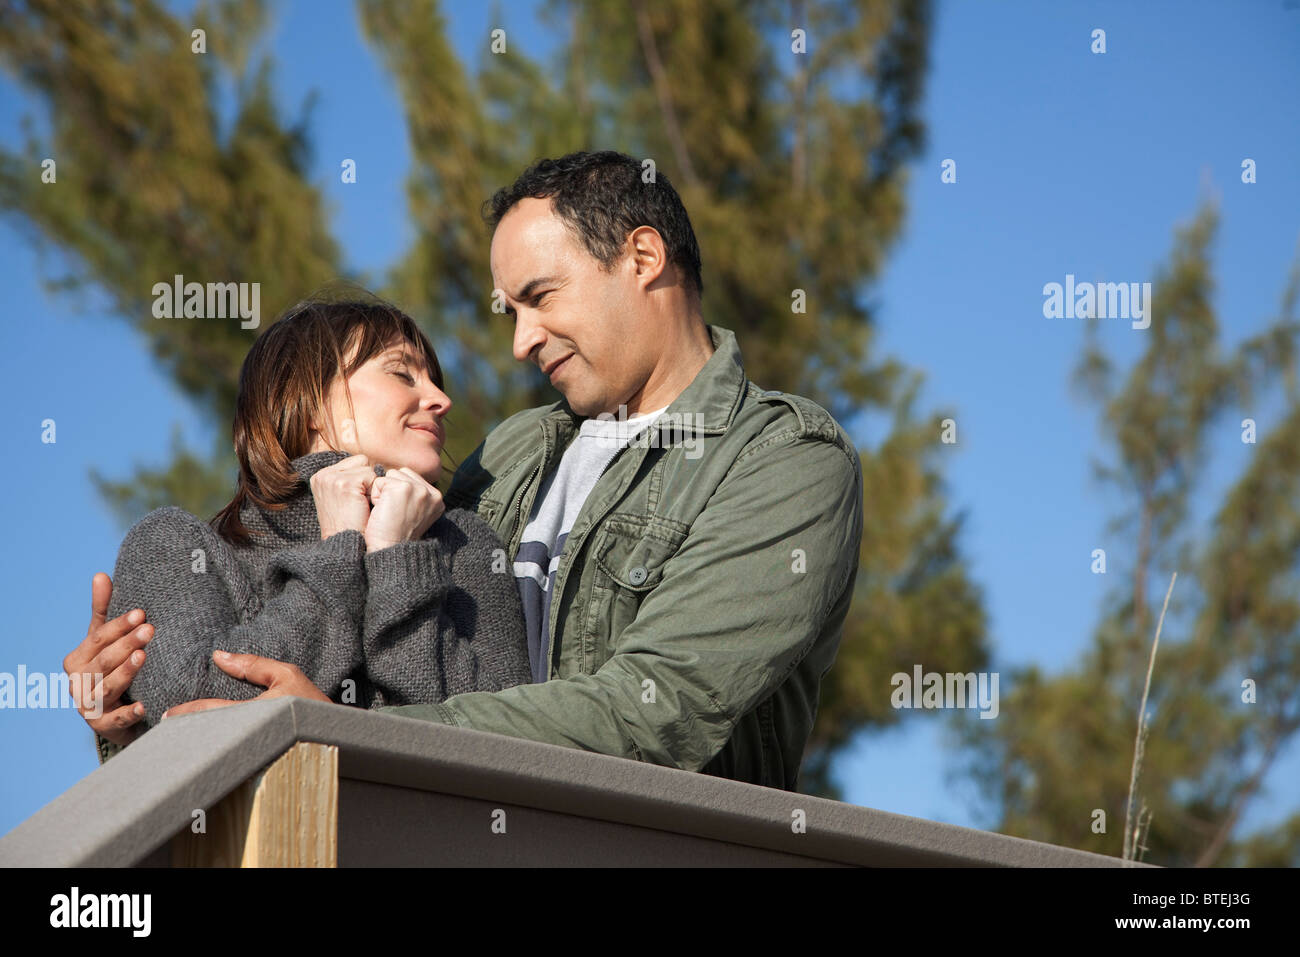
<point x="527" y="291"/>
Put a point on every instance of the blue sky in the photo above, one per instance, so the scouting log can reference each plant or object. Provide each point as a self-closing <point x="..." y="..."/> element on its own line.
<point x="1068" y="162"/>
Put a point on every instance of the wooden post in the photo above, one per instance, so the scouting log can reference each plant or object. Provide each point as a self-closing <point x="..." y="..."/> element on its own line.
<point x="286" y="816"/>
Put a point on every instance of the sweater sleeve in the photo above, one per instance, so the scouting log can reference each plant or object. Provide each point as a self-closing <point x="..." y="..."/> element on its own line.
<point x="180" y="573"/>
<point x="443" y="615"/>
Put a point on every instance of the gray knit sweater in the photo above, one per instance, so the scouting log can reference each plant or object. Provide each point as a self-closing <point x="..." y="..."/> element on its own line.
<point x="415" y="622"/>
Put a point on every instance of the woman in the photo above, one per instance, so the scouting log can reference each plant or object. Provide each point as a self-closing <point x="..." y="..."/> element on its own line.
<point x="336" y="554"/>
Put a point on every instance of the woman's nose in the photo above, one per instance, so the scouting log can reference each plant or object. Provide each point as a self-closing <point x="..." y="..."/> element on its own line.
<point x="438" y="400"/>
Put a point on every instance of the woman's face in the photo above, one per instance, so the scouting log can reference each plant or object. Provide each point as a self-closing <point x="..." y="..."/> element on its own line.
<point x="396" y="416"/>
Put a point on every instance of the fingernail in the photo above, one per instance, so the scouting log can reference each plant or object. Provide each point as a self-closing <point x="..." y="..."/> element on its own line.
<point x="164" y="716"/>
<point x="139" y="710"/>
<point x="223" y="654"/>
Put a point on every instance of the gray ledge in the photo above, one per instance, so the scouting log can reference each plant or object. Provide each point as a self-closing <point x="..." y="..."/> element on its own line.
<point x="394" y="769"/>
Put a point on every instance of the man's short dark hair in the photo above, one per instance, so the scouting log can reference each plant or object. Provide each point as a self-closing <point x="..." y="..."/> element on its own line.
<point x="602" y="198"/>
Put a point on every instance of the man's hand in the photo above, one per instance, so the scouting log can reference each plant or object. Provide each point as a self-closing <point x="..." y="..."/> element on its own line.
<point x="112" y="649"/>
<point x="404" y="506"/>
<point x="279" y="678"/>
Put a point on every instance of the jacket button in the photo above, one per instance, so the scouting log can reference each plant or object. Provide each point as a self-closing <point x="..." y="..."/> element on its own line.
<point x="637" y="575"/>
<point x="768" y="393"/>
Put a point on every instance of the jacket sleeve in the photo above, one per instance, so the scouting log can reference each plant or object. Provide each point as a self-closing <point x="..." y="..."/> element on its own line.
<point x="727" y="623"/>
<point x="106" y="748"/>
<point x="443" y="615"/>
<point x="311" y="619"/>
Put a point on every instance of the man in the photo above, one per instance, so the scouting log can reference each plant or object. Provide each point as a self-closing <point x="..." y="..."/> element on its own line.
<point x="685" y="542"/>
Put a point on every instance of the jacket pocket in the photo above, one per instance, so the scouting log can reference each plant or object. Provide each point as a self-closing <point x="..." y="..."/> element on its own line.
<point x="629" y="556"/>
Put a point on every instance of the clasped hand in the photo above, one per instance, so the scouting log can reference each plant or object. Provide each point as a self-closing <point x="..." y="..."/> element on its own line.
<point x="399" y="506"/>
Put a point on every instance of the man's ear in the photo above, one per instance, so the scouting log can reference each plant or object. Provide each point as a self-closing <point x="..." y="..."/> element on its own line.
<point x="649" y="255"/>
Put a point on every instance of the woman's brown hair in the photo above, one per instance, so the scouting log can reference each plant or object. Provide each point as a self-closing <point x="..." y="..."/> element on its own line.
<point x="285" y="382"/>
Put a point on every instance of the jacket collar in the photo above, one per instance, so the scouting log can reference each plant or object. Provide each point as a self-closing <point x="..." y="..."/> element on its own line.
<point x="710" y="402"/>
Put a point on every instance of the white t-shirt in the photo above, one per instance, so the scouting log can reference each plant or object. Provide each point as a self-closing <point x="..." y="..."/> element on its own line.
<point x="554" y="511"/>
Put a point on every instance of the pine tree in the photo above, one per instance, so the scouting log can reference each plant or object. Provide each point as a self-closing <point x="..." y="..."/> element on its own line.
<point x="1062" y="747"/>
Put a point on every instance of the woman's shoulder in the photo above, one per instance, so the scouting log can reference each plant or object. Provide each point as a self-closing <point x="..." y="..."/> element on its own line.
<point x="174" y="565"/>
<point x="169" y="525"/>
<point x="161" y="553"/>
<point x="170" y="516"/>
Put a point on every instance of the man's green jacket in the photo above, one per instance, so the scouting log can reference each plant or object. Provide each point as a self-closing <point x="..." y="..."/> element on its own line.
<point x="702" y="591"/>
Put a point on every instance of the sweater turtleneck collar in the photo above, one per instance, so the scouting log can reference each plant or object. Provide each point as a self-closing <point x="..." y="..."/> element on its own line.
<point x="308" y="465"/>
<point x="296" y="522"/>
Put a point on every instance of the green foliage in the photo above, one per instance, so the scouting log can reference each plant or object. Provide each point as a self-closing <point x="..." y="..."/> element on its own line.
<point x="150" y="186"/>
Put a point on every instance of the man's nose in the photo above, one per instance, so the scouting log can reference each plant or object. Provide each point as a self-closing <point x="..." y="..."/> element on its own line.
<point x="529" y="335"/>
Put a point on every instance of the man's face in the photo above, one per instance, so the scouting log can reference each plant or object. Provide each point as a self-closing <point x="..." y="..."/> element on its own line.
<point x="568" y="310"/>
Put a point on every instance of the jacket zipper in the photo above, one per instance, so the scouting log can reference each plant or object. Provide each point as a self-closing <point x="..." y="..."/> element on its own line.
<point x="518" y="536"/>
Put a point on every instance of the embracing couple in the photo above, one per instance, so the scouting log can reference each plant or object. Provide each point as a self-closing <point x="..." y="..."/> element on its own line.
<point x="675" y="602"/>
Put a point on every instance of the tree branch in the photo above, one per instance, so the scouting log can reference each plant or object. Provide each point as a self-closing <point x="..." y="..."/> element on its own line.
<point x="651" y="53"/>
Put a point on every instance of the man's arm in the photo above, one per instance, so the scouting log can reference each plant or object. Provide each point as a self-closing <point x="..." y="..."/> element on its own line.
<point x="713" y="652"/>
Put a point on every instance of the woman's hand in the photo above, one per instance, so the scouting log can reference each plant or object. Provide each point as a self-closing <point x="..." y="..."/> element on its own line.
<point x="404" y="505"/>
<point x="342" y="494"/>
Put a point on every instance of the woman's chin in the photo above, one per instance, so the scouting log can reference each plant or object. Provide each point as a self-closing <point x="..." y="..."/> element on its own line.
<point x="428" y="465"/>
